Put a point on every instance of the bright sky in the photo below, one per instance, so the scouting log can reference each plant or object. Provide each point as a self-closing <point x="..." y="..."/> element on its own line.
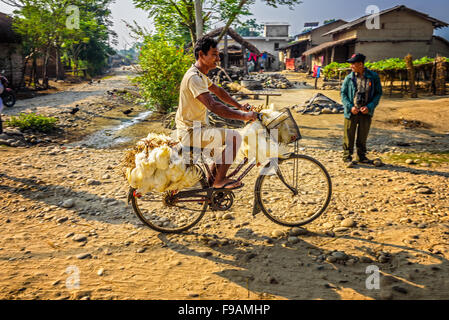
<point x="308" y="11"/>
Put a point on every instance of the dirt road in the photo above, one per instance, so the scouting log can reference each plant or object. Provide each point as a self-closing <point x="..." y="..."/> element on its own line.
<point x="68" y="233"/>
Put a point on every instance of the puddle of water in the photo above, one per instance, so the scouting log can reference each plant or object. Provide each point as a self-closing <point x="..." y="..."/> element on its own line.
<point x="112" y="136"/>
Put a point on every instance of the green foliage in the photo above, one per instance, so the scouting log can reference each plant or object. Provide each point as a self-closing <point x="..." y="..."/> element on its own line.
<point x="392" y="64"/>
<point x="42" y="27"/>
<point x="249" y="28"/>
<point x="163" y="67"/>
<point x="33" y="121"/>
<point x="331" y="70"/>
<point x="423" y="60"/>
<point x="176" y="18"/>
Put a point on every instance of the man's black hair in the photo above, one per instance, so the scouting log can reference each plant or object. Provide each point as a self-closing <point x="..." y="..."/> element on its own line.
<point x="204" y="44"/>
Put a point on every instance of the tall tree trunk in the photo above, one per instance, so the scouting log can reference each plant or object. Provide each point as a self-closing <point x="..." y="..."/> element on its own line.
<point x="22" y="76"/>
<point x="34" y="79"/>
<point x="199" y="18"/>
<point x="59" y="70"/>
<point x="45" y="67"/>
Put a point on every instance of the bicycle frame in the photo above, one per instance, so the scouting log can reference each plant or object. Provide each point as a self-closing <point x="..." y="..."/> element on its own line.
<point x="206" y="194"/>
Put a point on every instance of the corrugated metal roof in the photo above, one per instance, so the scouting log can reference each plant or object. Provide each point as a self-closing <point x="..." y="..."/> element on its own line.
<point x="275" y="23"/>
<point x="318" y="28"/>
<point x="292" y="44"/>
<point x="437" y="23"/>
<point x="326" y="45"/>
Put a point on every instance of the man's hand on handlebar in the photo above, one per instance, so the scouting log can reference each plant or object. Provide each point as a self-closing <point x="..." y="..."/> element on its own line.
<point x="246" y="107"/>
<point x="251" y="116"/>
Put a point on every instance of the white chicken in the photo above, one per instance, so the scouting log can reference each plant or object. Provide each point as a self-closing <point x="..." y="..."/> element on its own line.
<point x="256" y="143"/>
<point x="159" y="168"/>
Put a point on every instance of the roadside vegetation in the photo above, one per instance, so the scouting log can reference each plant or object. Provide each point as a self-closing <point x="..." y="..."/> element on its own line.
<point x="331" y="70"/>
<point x="33" y="122"/>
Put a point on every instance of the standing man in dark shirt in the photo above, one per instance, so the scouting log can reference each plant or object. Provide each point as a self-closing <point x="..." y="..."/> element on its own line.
<point x="360" y="93"/>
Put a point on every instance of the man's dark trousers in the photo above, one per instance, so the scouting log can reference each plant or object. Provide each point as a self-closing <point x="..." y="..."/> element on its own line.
<point x="360" y="124"/>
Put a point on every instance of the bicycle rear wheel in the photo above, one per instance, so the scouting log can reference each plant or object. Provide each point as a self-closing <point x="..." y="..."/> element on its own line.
<point x="156" y="211"/>
<point x="294" y="192"/>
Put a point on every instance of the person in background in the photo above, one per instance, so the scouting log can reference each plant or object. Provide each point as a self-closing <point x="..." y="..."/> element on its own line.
<point x="361" y="93"/>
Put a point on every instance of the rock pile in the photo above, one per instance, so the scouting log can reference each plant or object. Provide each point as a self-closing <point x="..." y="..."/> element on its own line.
<point x="272" y="81"/>
<point x="13" y="137"/>
<point x="320" y="104"/>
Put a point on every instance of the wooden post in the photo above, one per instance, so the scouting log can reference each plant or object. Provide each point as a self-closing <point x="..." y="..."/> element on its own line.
<point x="432" y="88"/>
<point x="440" y="77"/>
<point x="333" y="54"/>
<point x="391" y="83"/>
<point x="411" y="75"/>
<point x="245" y="61"/>
<point x="225" y="51"/>
<point x="339" y="79"/>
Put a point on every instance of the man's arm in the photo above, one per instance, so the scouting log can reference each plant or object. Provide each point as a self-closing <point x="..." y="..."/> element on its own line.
<point x="225" y="97"/>
<point x="377" y="94"/>
<point x="224" y="111"/>
<point x="347" y="103"/>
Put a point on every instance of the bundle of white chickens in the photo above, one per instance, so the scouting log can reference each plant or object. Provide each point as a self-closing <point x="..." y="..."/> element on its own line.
<point x="153" y="165"/>
<point x="258" y="144"/>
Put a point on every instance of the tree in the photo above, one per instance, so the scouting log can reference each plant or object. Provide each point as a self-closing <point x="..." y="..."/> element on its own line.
<point x="37" y="25"/>
<point x="163" y="65"/>
<point x="42" y="25"/>
<point x="173" y="15"/>
<point x="249" y="28"/>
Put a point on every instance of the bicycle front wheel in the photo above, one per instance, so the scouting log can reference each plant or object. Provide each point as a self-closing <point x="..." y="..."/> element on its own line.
<point x="294" y="191"/>
<point x="157" y="212"/>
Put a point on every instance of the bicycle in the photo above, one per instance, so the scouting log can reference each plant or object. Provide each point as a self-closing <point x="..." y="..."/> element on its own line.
<point x="282" y="191"/>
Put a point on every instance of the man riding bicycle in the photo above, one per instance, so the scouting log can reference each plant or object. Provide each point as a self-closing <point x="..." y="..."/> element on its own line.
<point x="195" y="99"/>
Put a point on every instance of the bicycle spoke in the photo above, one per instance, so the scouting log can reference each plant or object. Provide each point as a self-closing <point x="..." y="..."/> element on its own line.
<point x="308" y="200"/>
<point x="161" y="212"/>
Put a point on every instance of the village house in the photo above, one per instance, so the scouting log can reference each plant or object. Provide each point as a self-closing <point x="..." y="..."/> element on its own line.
<point x="306" y="41"/>
<point x="275" y="35"/>
<point x="401" y="31"/>
<point x="10" y="51"/>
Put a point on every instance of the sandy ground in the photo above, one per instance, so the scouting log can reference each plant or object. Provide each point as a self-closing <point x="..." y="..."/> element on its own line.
<point x="95" y="247"/>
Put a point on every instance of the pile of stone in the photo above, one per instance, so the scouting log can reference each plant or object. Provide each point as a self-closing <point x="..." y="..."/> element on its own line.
<point x="272" y="81"/>
<point x="13" y="137"/>
<point x="320" y="104"/>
